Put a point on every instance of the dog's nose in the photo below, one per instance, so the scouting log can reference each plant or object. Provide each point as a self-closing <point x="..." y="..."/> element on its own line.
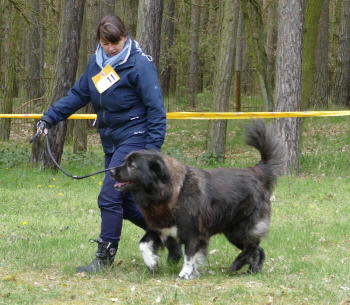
<point x="112" y="171"/>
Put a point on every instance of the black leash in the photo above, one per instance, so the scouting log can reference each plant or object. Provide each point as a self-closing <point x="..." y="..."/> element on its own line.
<point x="40" y="131"/>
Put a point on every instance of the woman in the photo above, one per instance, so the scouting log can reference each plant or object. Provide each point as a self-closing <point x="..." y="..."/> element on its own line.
<point x="122" y="84"/>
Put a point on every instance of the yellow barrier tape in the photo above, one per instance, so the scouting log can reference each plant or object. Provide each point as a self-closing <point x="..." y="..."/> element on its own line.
<point x="204" y="115"/>
<point x="251" y="115"/>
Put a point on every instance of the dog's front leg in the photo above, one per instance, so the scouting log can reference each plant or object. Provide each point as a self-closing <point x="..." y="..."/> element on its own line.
<point x="194" y="258"/>
<point x="149" y="245"/>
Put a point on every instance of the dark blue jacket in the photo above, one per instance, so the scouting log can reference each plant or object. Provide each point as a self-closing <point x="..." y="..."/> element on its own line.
<point x="131" y="111"/>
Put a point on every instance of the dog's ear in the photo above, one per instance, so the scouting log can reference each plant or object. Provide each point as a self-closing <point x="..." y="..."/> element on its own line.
<point x="156" y="177"/>
<point x="159" y="168"/>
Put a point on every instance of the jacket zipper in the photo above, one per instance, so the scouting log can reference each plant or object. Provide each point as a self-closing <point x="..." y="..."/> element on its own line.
<point x="103" y="117"/>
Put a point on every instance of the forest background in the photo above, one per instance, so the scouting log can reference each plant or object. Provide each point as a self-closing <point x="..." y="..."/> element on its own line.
<point x="211" y="55"/>
<point x="284" y="55"/>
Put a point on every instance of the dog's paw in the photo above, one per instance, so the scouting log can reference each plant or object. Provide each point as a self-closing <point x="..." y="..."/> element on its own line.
<point x="234" y="268"/>
<point x="149" y="256"/>
<point x="153" y="269"/>
<point x="191" y="266"/>
<point x="187" y="276"/>
<point x="188" y="272"/>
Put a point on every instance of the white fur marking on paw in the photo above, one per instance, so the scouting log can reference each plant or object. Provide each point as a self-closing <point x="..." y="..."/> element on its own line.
<point x="149" y="257"/>
<point x="191" y="266"/>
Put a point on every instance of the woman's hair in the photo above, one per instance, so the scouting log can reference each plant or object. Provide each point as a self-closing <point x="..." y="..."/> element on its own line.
<point x="111" y="29"/>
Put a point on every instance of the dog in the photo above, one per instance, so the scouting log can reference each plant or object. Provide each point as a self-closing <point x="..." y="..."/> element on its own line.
<point x="187" y="205"/>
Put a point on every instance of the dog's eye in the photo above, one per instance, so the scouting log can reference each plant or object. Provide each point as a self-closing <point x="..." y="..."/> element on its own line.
<point x="132" y="166"/>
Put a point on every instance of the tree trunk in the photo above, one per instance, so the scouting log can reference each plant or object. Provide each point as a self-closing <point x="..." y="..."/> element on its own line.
<point x="50" y="16"/>
<point x="239" y="59"/>
<point x="204" y="80"/>
<point x="150" y="13"/>
<point x="334" y="26"/>
<point x="320" y="91"/>
<point x="312" y="17"/>
<point x="255" y="32"/>
<point x="288" y="77"/>
<point x="167" y="42"/>
<point x="64" y="76"/>
<point x="223" y="76"/>
<point x="341" y="94"/>
<point x="35" y="55"/>
<point x="10" y="52"/>
<point x="127" y="10"/>
<point x="78" y="128"/>
<point x="94" y="12"/>
<point x="35" y="58"/>
<point x="210" y="28"/>
<point x="194" y="40"/>
<point x="271" y="39"/>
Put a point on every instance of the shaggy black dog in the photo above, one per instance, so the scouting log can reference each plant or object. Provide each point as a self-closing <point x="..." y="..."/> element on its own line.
<point x="188" y="205"/>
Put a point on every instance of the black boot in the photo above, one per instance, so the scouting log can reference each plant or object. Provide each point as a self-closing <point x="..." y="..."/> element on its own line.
<point x="105" y="254"/>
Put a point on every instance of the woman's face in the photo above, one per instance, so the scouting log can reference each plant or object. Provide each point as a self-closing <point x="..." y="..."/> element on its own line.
<point x="111" y="48"/>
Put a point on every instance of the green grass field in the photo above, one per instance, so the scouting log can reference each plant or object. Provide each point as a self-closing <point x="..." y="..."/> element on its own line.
<point x="47" y="219"/>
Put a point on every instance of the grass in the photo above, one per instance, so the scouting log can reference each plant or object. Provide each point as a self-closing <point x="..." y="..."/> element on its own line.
<point x="47" y="219"/>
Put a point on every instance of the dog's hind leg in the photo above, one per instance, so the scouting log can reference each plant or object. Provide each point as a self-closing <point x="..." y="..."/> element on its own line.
<point x="240" y="261"/>
<point x="195" y="254"/>
<point x="257" y="260"/>
<point x="251" y="255"/>
<point x="149" y="246"/>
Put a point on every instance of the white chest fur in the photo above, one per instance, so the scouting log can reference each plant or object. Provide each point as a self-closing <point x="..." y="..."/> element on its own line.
<point x="168" y="232"/>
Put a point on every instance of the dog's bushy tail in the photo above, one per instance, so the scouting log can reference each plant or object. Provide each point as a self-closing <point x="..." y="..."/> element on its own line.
<point x="271" y="148"/>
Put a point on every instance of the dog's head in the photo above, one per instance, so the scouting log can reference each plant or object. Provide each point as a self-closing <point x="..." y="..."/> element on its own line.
<point x="143" y="171"/>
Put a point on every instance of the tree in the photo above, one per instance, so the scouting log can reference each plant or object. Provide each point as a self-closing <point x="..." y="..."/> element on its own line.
<point x="288" y="77"/>
<point x="149" y="27"/>
<point x="35" y="57"/>
<point x="209" y="33"/>
<point x="312" y="17"/>
<point x="223" y="75"/>
<point x="166" y="44"/>
<point x="127" y="10"/>
<point x="320" y="91"/>
<point x="64" y="76"/>
<point x="271" y="38"/>
<point x="341" y="95"/>
<point x="256" y="41"/>
<point x="10" y="51"/>
<point x="78" y="129"/>
<point x="93" y="13"/>
<point x="239" y="59"/>
<point x="333" y="28"/>
<point x="194" y="40"/>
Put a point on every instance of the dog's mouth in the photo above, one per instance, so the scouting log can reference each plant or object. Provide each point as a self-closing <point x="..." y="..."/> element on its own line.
<point x="123" y="186"/>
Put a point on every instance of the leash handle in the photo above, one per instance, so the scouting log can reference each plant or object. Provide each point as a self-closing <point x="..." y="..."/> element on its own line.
<point x="40" y="129"/>
<point x="35" y="137"/>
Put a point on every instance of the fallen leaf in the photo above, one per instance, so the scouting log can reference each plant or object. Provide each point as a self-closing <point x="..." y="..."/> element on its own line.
<point x="114" y="300"/>
<point x="344" y="288"/>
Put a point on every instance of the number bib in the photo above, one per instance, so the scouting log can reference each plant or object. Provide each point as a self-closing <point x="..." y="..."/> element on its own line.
<point x="105" y="79"/>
